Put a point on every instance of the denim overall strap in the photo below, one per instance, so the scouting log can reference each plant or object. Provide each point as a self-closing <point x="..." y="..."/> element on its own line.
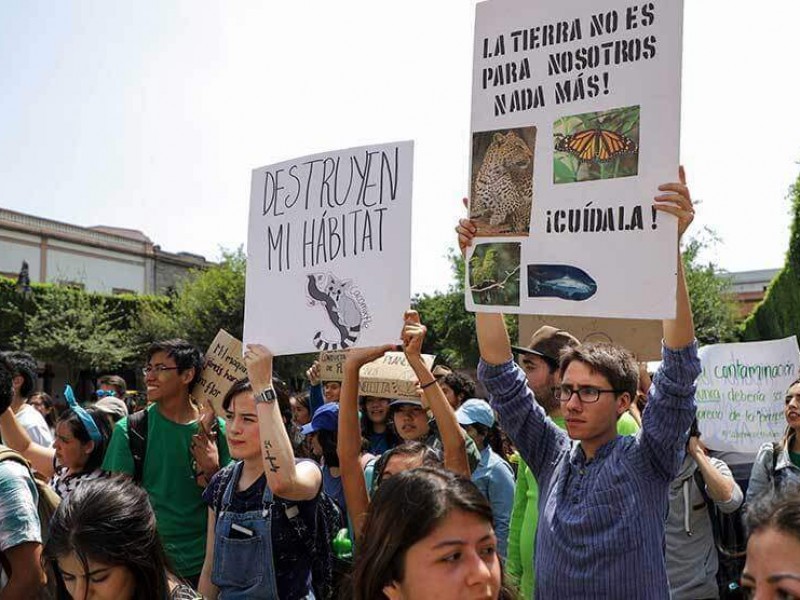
<point x="243" y="566"/>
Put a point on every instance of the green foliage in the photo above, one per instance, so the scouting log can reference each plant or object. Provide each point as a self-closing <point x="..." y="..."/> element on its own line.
<point x="205" y="302"/>
<point x="713" y="305"/>
<point x="778" y="315"/>
<point x="81" y="330"/>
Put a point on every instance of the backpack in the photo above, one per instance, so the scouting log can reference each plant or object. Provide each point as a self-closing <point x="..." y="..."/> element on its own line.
<point x="327" y="571"/>
<point x="45" y="507"/>
<point x="730" y="540"/>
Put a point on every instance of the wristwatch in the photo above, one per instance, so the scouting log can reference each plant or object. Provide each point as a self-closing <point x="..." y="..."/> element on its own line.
<point x="267" y="396"/>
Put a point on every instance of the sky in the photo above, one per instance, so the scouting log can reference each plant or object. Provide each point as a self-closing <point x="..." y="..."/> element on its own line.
<point x="150" y="115"/>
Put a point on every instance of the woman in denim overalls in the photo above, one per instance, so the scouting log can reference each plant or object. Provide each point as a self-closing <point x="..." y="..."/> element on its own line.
<point x="253" y="551"/>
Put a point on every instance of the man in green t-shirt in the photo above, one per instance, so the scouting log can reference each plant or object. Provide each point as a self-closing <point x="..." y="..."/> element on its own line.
<point x="169" y="474"/>
<point x="540" y="362"/>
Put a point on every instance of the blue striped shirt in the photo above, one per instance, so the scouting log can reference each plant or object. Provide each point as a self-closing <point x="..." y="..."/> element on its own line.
<point x="601" y="522"/>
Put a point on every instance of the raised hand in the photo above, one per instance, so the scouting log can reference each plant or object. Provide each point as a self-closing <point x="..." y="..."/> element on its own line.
<point x="258" y="360"/>
<point x="677" y="202"/>
<point x="358" y="357"/>
<point x="466" y="230"/>
<point x="413" y="334"/>
<point x="312" y="374"/>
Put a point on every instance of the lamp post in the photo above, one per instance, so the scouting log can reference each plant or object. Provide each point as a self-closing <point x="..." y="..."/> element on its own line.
<point x="24" y="290"/>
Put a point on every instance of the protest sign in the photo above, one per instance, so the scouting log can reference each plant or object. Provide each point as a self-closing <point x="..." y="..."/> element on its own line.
<point x="390" y="376"/>
<point x="328" y="250"/>
<point x="331" y="365"/>
<point x="740" y="393"/>
<point x="224" y="366"/>
<point x="575" y="121"/>
<point x="642" y="337"/>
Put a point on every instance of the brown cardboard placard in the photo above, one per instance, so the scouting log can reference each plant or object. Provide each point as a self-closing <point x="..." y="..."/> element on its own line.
<point x="640" y="336"/>
<point x="331" y="365"/>
<point x="224" y="366"/>
<point x="390" y="377"/>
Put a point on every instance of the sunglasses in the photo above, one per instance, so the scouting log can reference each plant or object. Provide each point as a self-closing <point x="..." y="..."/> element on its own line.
<point x="105" y="393"/>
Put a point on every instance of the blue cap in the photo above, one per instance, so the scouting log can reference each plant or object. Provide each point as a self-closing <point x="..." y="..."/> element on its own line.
<point x="326" y="417"/>
<point x="475" y="410"/>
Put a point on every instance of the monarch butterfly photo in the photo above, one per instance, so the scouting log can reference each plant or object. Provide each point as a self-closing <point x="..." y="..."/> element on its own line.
<point x="596" y="145"/>
<point x="599" y="145"/>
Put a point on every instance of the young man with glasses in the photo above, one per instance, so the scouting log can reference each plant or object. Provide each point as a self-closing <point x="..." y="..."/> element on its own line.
<point x="169" y="474"/>
<point x="603" y="498"/>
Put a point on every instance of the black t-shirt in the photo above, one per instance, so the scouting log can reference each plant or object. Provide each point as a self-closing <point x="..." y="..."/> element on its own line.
<point x="292" y="558"/>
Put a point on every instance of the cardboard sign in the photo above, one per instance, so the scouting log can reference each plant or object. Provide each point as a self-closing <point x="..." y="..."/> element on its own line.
<point x="642" y="337"/>
<point x="740" y="393"/>
<point x="224" y="366"/>
<point x="576" y="122"/>
<point x="329" y="250"/>
<point x="331" y="365"/>
<point x="390" y="377"/>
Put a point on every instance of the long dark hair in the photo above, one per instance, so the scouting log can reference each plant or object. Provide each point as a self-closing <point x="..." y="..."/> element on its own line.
<point x="787" y="433"/>
<point x="78" y="430"/>
<point x="368" y="427"/>
<point x="405" y="510"/>
<point x="428" y="458"/>
<point x="111" y="521"/>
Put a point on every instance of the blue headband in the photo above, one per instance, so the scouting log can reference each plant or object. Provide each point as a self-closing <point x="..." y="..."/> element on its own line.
<point x="85" y="417"/>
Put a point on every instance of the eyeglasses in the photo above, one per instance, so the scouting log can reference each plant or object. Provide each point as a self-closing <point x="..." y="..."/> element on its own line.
<point x="105" y="393"/>
<point x="586" y="394"/>
<point x="158" y="369"/>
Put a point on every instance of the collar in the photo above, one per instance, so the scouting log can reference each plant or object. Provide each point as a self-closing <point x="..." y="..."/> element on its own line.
<point x="578" y="458"/>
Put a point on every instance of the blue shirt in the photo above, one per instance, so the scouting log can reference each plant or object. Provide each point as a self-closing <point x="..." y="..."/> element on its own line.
<point x="601" y="521"/>
<point x="495" y="479"/>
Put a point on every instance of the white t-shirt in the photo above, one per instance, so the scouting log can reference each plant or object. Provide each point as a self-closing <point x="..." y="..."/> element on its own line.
<point x="33" y="422"/>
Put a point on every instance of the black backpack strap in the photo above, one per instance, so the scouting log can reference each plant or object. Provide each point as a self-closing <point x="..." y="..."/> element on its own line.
<point x="137" y="441"/>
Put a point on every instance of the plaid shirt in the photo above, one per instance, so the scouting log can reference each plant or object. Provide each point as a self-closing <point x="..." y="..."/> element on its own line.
<point x="601" y="521"/>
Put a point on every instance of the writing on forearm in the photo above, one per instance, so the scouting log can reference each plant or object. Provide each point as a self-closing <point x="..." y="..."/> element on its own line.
<point x="268" y="456"/>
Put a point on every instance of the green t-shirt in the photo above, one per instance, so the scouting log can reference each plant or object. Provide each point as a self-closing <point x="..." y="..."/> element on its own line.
<point x="795" y="458"/>
<point x="169" y="480"/>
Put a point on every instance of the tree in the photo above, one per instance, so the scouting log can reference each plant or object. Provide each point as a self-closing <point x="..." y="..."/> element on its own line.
<point x="79" y="330"/>
<point x="713" y="305"/>
<point x="778" y="315"/>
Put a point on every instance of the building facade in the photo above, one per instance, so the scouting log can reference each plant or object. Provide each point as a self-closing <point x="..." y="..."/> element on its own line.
<point x="108" y="260"/>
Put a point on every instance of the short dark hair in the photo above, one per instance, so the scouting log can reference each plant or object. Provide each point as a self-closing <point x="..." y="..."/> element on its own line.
<point x="111" y="521"/>
<point x="780" y="511"/>
<point x="117" y="382"/>
<point x="429" y="458"/>
<point x="23" y="364"/>
<point x="463" y="387"/>
<point x="393" y="525"/>
<point x="6" y="381"/>
<point x="185" y="355"/>
<point x="615" y="363"/>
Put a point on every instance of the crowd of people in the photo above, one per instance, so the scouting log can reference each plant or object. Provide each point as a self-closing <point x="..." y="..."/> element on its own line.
<point x="575" y="477"/>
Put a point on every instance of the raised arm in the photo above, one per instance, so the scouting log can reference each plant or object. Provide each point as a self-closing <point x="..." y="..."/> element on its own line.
<point x="284" y="477"/>
<point x="348" y="446"/>
<point x="678" y="332"/>
<point x="15" y="437"/>
<point x="453" y="442"/>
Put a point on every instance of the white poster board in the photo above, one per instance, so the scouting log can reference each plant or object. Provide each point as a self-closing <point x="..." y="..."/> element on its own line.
<point x="329" y="250"/>
<point x="575" y="121"/>
<point x="740" y="393"/>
